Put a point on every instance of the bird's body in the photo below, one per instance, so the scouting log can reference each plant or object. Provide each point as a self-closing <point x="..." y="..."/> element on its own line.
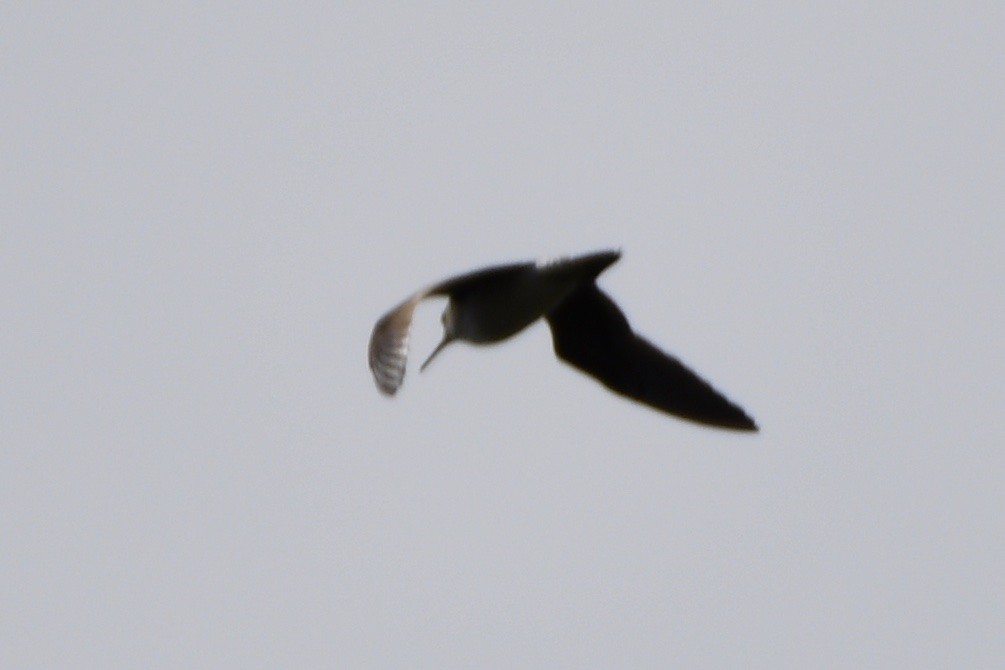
<point x="494" y="304"/>
<point x="588" y="330"/>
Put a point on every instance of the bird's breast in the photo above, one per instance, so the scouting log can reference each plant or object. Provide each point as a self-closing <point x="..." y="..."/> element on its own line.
<point x="501" y="310"/>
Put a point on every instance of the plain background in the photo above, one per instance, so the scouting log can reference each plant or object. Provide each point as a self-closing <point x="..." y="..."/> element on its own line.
<point x="206" y="207"/>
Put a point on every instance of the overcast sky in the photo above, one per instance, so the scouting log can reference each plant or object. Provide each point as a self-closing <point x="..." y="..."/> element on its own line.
<point x="205" y="208"/>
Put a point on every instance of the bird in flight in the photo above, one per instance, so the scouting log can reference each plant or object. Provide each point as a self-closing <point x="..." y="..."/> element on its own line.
<point x="588" y="330"/>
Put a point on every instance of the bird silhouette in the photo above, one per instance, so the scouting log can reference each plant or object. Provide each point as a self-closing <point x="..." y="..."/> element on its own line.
<point x="588" y="331"/>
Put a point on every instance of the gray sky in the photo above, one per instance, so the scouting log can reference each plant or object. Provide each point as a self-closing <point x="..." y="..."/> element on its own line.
<point x="205" y="209"/>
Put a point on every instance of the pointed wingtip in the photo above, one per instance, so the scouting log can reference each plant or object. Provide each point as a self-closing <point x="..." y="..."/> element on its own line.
<point x="732" y="417"/>
<point x="746" y="425"/>
<point x="725" y="417"/>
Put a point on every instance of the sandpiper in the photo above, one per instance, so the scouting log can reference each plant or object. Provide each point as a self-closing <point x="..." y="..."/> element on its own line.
<point x="588" y="331"/>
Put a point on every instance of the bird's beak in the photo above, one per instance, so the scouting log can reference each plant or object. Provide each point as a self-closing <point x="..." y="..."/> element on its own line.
<point x="446" y="340"/>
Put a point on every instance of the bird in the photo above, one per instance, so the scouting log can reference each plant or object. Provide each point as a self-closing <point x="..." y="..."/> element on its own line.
<point x="588" y="331"/>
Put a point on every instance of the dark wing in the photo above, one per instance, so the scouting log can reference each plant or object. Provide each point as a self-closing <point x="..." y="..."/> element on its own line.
<point x="591" y="333"/>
